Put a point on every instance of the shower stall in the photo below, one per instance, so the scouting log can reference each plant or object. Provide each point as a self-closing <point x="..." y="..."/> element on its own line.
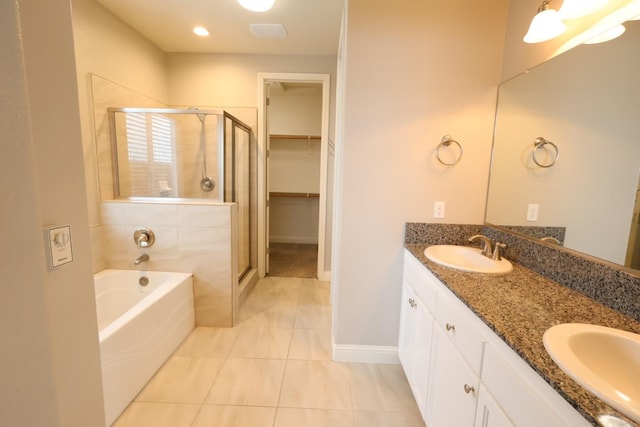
<point x="186" y="154"/>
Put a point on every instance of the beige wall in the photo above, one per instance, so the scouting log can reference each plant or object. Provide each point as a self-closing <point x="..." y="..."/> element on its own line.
<point x="50" y="357"/>
<point x="232" y="80"/>
<point x="114" y="51"/>
<point x="415" y="71"/>
<point x="107" y="47"/>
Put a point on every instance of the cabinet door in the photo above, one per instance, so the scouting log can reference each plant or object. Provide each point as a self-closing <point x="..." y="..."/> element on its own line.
<point x="524" y="404"/>
<point x="453" y="386"/>
<point x="455" y="319"/>
<point x="422" y="357"/>
<point x="488" y="413"/>
<point x="414" y="345"/>
<point x="406" y="341"/>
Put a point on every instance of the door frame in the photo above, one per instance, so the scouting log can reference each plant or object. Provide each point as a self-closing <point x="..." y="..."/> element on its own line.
<point x="325" y="81"/>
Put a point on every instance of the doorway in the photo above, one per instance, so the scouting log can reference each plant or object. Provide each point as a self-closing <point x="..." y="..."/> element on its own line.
<point x="293" y="141"/>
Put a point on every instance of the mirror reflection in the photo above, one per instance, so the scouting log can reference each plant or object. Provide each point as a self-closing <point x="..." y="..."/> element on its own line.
<point x="587" y="103"/>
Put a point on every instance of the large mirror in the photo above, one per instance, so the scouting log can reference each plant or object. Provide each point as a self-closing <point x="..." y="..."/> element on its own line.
<point x="586" y="102"/>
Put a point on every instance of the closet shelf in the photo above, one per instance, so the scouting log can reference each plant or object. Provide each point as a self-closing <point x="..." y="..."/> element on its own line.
<point x="302" y="195"/>
<point x="308" y="137"/>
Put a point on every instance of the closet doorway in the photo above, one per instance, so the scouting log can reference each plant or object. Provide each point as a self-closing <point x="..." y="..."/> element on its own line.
<point x="295" y="138"/>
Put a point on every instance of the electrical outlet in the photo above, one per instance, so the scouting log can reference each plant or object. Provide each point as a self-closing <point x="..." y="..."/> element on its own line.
<point x="532" y="212"/>
<point x="438" y="209"/>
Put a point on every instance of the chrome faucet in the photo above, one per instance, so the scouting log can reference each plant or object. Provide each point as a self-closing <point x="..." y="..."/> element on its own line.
<point x="496" y="250"/>
<point x="141" y="258"/>
<point x="486" y="243"/>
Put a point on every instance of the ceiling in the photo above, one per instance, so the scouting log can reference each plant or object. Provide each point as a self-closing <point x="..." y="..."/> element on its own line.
<point x="312" y="26"/>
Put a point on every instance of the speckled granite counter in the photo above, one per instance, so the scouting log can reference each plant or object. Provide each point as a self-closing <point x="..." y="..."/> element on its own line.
<point x="519" y="307"/>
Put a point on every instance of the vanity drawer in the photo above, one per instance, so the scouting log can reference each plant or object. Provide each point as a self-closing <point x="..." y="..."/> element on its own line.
<point x="526" y="399"/>
<point x="421" y="280"/>
<point x="454" y="319"/>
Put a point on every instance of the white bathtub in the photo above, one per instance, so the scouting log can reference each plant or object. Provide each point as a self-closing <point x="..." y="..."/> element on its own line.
<point x="139" y="328"/>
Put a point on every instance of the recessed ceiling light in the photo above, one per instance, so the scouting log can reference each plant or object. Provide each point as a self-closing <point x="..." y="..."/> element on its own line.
<point x="268" y="31"/>
<point x="201" y="31"/>
<point x="256" y="5"/>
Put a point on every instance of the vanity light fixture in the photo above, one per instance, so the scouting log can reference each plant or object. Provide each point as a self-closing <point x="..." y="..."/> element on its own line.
<point x="546" y="25"/>
<point x="572" y="9"/>
<point x="256" y="5"/>
<point x="607" y="35"/>
<point x="200" y="31"/>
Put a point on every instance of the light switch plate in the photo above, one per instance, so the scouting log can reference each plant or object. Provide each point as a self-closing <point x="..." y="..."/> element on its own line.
<point x="59" y="246"/>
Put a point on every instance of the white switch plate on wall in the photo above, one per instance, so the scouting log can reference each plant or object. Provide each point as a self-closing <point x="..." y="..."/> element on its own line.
<point x="438" y="209"/>
<point x="59" y="246"/>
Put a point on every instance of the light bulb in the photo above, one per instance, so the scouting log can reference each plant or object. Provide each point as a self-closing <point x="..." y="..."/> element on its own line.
<point x="257" y="5"/>
<point x="544" y="26"/>
<point x="201" y="31"/>
<point x="607" y="35"/>
<point x="572" y="9"/>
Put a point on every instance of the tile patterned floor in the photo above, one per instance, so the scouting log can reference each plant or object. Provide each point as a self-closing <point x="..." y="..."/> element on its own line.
<point x="274" y="370"/>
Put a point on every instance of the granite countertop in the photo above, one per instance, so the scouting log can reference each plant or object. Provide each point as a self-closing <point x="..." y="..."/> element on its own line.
<point x="519" y="307"/>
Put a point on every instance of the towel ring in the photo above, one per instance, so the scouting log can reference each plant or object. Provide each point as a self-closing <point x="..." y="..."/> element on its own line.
<point x="446" y="142"/>
<point x="539" y="143"/>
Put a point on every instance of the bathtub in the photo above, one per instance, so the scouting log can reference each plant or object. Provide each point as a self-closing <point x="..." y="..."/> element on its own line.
<point x="139" y="328"/>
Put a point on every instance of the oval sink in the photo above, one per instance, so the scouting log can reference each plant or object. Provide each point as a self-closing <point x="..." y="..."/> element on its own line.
<point x="605" y="361"/>
<point x="465" y="258"/>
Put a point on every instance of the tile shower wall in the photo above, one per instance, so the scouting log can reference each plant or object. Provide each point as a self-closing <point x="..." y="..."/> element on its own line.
<point x="191" y="237"/>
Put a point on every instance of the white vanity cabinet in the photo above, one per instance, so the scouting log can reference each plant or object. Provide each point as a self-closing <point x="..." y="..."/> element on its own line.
<point x="453" y="386"/>
<point x="488" y="412"/>
<point x="416" y="327"/>
<point x="461" y="373"/>
<point x="414" y="345"/>
<point x="456" y="362"/>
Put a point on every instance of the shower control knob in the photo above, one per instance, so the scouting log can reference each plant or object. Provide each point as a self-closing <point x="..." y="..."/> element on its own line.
<point x="144" y="237"/>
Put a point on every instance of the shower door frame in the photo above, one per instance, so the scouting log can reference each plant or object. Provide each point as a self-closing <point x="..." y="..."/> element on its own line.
<point x="111" y="111"/>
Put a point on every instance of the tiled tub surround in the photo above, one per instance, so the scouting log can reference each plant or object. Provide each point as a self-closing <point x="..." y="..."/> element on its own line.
<point x="191" y="237"/>
<point x="520" y="306"/>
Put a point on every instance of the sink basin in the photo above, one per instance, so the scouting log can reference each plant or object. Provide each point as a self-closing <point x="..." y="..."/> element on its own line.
<point x="465" y="258"/>
<point x="605" y="361"/>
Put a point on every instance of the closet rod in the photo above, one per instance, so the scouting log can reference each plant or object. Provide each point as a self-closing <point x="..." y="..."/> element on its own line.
<point x="311" y="137"/>
<point x="304" y="195"/>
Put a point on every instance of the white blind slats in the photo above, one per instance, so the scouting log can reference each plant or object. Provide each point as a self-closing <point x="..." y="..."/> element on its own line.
<point x="151" y="151"/>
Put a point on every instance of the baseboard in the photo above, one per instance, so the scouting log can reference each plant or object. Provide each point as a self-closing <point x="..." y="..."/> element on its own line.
<point x="365" y="354"/>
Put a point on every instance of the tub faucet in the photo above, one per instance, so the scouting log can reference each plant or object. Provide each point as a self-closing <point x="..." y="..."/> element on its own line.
<point x="486" y="243"/>
<point x="141" y="258"/>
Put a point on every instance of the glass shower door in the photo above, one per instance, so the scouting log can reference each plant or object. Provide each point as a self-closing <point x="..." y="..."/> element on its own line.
<point x="238" y="188"/>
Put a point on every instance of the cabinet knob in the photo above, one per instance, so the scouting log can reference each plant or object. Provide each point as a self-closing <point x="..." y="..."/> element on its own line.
<point x="450" y="327"/>
<point x="412" y="302"/>
<point x="469" y="389"/>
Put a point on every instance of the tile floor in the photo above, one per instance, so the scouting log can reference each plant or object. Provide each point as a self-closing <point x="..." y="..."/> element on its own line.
<point x="274" y="370"/>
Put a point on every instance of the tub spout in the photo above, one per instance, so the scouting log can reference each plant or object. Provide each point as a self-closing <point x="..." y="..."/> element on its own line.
<point x="141" y="258"/>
